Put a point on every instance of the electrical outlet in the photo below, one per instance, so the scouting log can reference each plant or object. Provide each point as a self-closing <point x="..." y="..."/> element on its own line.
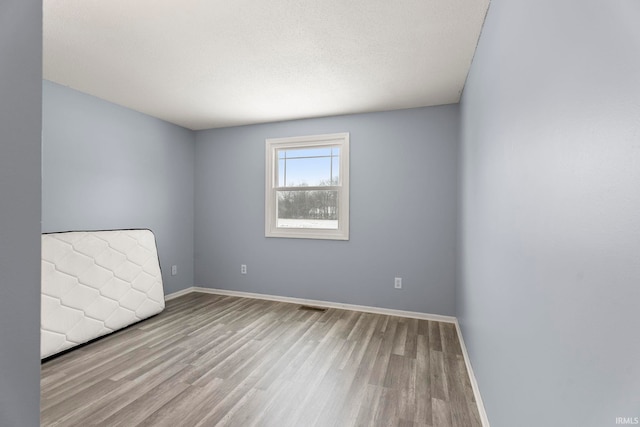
<point x="174" y="270"/>
<point x="243" y="269"/>
<point x="397" y="283"/>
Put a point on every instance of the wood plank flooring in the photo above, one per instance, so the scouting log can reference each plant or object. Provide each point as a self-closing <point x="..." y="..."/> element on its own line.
<point x="211" y="360"/>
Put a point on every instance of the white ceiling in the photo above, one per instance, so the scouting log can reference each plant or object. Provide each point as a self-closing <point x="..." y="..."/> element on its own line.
<point x="211" y="63"/>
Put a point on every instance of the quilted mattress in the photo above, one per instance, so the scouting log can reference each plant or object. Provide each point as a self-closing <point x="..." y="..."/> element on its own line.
<point x="96" y="282"/>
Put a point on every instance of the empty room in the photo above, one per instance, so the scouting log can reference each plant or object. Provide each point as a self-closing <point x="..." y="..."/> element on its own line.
<point x="320" y="213"/>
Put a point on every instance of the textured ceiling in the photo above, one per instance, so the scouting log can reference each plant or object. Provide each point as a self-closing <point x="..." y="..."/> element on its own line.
<point x="204" y="64"/>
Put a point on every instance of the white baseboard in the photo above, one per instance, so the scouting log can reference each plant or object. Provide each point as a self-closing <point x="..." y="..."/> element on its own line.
<point x="361" y="308"/>
<point x="472" y="378"/>
<point x="179" y="293"/>
<point x="328" y="304"/>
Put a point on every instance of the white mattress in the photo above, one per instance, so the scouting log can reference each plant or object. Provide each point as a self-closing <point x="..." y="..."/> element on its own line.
<point x="96" y="282"/>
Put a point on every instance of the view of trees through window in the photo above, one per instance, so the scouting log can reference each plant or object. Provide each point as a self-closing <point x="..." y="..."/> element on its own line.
<point x="306" y="195"/>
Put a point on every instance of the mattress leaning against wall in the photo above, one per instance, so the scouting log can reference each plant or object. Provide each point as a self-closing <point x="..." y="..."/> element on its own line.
<point x="96" y="282"/>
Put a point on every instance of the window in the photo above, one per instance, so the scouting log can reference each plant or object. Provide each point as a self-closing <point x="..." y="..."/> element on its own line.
<point x="307" y="187"/>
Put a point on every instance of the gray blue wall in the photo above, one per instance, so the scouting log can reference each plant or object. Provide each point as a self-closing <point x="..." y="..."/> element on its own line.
<point x="402" y="206"/>
<point x="20" y="124"/>
<point x="549" y="290"/>
<point x="105" y="166"/>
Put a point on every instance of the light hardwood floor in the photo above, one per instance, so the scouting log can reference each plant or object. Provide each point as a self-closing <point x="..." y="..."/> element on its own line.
<point x="216" y="360"/>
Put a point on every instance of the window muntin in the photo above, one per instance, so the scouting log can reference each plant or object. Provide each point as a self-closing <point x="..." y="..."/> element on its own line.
<point x="307" y="193"/>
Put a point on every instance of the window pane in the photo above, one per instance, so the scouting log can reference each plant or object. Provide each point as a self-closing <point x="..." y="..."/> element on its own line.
<point x="308" y="172"/>
<point x="307" y="209"/>
<point x="335" y="170"/>
<point x="308" y="167"/>
<point x="280" y="173"/>
<point x="297" y="153"/>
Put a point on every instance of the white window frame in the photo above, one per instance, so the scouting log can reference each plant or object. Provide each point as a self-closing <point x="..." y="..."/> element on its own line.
<point x="271" y="185"/>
